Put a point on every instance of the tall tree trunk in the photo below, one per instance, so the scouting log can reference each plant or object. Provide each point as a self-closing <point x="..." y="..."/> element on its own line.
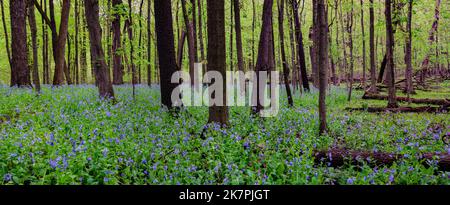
<point x="283" y="53"/>
<point x="313" y="50"/>
<point x="194" y="31"/>
<point x="59" y="43"/>
<point x="322" y="28"/>
<point x="231" y="37"/>
<point x="33" y="30"/>
<point x="373" y="77"/>
<point x="253" y="32"/>
<point x="180" y="50"/>
<point x="408" y="74"/>
<point x="392" y="100"/>
<point x="140" y="42"/>
<point x="149" y="45"/>
<point x="19" y="59"/>
<point x="190" y="37"/>
<point x="217" y="56"/>
<point x="300" y="47"/>
<point x="166" y="49"/>
<point x="45" y="62"/>
<point x="363" y="45"/>
<point x="83" y="52"/>
<point x="350" y="45"/>
<point x="116" y="47"/>
<point x="200" y="30"/>
<point x="101" y="69"/>
<point x="344" y="46"/>
<point x="294" y="56"/>
<point x="131" y="39"/>
<point x="8" y="50"/>
<point x="237" y="21"/>
<point x="77" y="28"/>
<point x="265" y="52"/>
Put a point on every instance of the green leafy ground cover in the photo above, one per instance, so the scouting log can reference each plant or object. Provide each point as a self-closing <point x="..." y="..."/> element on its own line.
<point x="68" y="136"/>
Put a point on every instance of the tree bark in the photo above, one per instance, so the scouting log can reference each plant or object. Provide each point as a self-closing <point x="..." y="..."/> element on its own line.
<point x="100" y="68"/>
<point x="408" y="60"/>
<point x="33" y="30"/>
<point x="140" y="42"/>
<point x="339" y="157"/>
<point x="200" y="30"/>
<point x="116" y="47"/>
<point x="166" y="49"/>
<point x="8" y="49"/>
<point x="190" y="39"/>
<point x="59" y="43"/>
<point x="392" y="102"/>
<point x="322" y="45"/>
<point x="373" y="79"/>
<point x="363" y="45"/>
<point x="237" y="21"/>
<point x="300" y="47"/>
<point x="370" y="96"/>
<point x="131" y="39"/>
<point x="149" y="45"/>
<point x="19" y="57"/>
<point x="283" y="52"/>
<point x="265" y="52"/>
<point x="217" y="55"/>
<point x="350" y="45"/>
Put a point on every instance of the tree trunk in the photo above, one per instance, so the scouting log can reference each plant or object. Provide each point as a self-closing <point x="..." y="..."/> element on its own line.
<point x="19" y="57"/>
<point x="194" y="31"/>
<point x="406" y="99"/>
<point x="77" y="25"/>
<point x="313" y="50"/>
<point x="344" y="46"/>
<point x="408" y="74"/>
<point x="300" y="47"/>
<point x="83" y="53"/>
<point x="237" y="21"/>
<point x="363" y="45"/>
<point x="181" y="43"/>
<point x="322" y="45"/>
<point x="100" y="68"/>
<point x="231" y="37"/>
<point x="283" y="53"/>
<point x="265" y="52"/>
<point x="350" y="45"/>
<point x="45" y="62"/>
<point x="33" y="30"/>
<point x="217" y="56"/>
<point x="190" y="37"/>
<point x="166" y="49"/>
<point x="116" y="47"/>
<point x="200" y="30"/>
<point x="130" y="38"/>
<point x="149" y="45"/>
<point x="392" y="102"/>
<point x="339" y="157"/>
<point x="373" y="78"/>
<point x="140" y="42"/>
<point x="8" y="50"/>
<point x="59" y="43"/>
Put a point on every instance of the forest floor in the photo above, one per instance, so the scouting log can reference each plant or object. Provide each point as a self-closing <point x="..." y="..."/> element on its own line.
<point x="68" y="136"/>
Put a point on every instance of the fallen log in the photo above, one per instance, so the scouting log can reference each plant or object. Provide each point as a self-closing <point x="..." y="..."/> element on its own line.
<point x="371" y="96"/>
<point x="338" y="157"/>
<point x="426" y="109"/>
